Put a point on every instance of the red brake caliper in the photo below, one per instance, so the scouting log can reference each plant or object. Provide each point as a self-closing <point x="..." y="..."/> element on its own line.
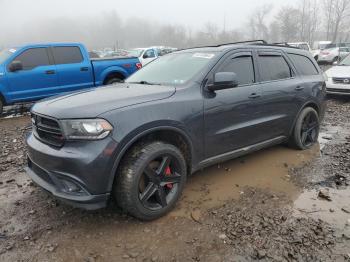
<point x="168" y="173"/>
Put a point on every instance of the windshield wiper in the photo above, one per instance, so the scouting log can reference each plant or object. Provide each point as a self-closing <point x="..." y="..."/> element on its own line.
<point x="142" y="82"/>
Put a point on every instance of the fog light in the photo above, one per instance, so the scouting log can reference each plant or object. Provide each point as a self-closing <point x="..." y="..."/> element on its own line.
<point x="71" y="187"/>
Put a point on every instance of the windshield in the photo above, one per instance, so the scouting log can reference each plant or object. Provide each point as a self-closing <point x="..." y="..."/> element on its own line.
<point x="346" y="61"/>
<point x="173" y="69"/>
<point x="6" y="53"/>
<point x="135" y="52"/>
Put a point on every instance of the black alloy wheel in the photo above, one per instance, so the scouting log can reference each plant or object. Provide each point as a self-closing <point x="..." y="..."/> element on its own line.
<point x="150" y="180"/>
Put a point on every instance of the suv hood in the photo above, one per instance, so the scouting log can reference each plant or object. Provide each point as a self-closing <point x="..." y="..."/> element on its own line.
<point x="93" y="102"/>
<point x="338" y="71"/>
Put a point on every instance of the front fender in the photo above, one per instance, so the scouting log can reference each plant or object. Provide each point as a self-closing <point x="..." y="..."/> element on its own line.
<point x="113" y="69"/>
<point x="135" y="135"/>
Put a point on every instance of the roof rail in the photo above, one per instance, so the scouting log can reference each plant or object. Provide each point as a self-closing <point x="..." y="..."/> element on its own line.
<point x="281" y="43"/>
<point x="260" y="41"/>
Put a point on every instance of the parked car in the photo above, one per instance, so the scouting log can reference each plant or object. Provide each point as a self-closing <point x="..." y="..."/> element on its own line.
<point x="32" y="72"/>
<point x="145" y="55"/>
<point x="338" y="78"/>
<point x="301" y="45"/>
<point x="318" y="47"/>
<point x="184" y="111"/>
<point x="333" y="55"/>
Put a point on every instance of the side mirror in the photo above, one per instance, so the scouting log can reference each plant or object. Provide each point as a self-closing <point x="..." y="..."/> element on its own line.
<point x="15" y="66"/>
<point x="224" y="80"/>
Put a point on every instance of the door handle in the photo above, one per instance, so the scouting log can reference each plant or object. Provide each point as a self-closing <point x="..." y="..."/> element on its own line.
<point x="84" y="69"/>
<point x="298" y="88"/>
<point x="50" y="72"/>
<point x="254" y="95"/>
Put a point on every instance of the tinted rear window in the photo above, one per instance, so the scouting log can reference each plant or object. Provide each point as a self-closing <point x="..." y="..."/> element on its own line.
<point x="303" y="64"/>
<point x="33" y="57"/>
<point x="67" y="55"/>
<point x="273" y="67"/>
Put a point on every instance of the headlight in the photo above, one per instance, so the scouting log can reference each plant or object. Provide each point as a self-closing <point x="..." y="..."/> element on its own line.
<point x="86" y="129"/>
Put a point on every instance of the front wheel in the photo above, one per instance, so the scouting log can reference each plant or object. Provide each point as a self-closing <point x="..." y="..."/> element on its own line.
<point x="150" y="180"/>
<point x="1" y="106"/>
<point x="306" y="129"/>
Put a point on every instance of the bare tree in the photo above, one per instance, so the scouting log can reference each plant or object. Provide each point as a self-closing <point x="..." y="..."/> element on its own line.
<point x="288" y="20"/>
<point x="309" y="20"/>
<point x="258" y="22"/>
<point x="341" y="12"/>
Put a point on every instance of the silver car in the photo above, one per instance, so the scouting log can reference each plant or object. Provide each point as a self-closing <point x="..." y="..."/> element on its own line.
<point x="338" y="78"/>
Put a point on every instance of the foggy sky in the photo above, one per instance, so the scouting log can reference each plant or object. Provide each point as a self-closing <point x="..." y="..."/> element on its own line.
<point x="19" y="17"/>
<point x="187" y="12"/>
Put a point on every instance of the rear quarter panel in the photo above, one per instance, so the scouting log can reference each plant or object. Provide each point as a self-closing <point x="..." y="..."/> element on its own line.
<point x="102" y="68"/>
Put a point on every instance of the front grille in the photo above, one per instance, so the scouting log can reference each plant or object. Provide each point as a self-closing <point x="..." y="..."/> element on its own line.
<point x="339" y="90"/>
<point x="341" y="80"/>
<point x="47" y="130"/>
<point x="40" y="172"/>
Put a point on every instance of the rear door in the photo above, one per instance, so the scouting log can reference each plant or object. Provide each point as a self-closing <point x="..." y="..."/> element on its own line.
<point x="74" y="71"/>
<point x="232" y="116"/>
<point x="281" y="100"/>
<point x="37" y="79"/>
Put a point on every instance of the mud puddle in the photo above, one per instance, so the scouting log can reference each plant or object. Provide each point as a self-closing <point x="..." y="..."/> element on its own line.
<point x="335" y="211"/>
<point x="266" y="169"/>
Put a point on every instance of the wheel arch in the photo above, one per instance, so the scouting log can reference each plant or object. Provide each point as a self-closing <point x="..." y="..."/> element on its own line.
<point x="113" y="74"/>
<point x="311" y="104"/>
<point x="169" y="134"/>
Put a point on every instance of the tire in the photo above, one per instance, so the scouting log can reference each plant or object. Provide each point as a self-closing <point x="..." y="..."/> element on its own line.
<point x="142" y="186"/>
<point x="113" y="80"/>
<point x="1" y="106"/>
<point x="316" y="58"/>
<point x="306" y="130"/>
<point x="335" y="59"/>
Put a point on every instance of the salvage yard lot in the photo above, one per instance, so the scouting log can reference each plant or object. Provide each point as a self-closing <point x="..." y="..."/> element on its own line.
<point x="265" y="206"/>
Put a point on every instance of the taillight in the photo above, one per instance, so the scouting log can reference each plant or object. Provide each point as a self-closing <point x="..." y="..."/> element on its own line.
<point x="138" y="66"/>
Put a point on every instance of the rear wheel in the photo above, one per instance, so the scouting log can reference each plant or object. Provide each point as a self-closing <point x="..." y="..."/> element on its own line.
<point x="150" y="180"/>
<point x="335" y="59"/>
<point x="113" y="80"/>
<point x="306" y="130"/>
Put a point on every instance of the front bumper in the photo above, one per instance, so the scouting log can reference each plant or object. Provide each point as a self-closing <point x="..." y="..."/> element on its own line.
<point x="337" y="89"/>
<point x="79" y="173"/>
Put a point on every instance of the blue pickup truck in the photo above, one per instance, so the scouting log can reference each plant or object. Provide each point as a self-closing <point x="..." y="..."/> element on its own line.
<point x="32" y="72"/>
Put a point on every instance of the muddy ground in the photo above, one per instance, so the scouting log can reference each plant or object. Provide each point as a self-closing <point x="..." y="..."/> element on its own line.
<point x="274" y="205"/>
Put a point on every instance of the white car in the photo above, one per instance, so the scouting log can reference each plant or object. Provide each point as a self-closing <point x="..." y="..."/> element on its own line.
<point x="318" y="47"/>
<point x="301" y="45"/>
<point x="338" y="78"/>
<point x="333" y="55"/>
<point x="145" y="55"/>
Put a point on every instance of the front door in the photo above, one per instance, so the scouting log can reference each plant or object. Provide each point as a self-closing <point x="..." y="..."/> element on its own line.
<point x="37" y="79"/>
<point x="232" y="115"/>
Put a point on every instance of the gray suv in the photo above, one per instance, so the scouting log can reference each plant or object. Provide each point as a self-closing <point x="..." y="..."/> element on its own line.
<point x="138" y="141"/>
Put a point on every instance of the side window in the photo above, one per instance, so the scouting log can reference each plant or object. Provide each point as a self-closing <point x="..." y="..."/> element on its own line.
<point x="274" y="67"/>
<point x="303" y="64"/>
<point x="67" y="55"/>
<point x="242" y="66"/>
<point x="33" y="57"/>
<point x="150" y="53"/>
